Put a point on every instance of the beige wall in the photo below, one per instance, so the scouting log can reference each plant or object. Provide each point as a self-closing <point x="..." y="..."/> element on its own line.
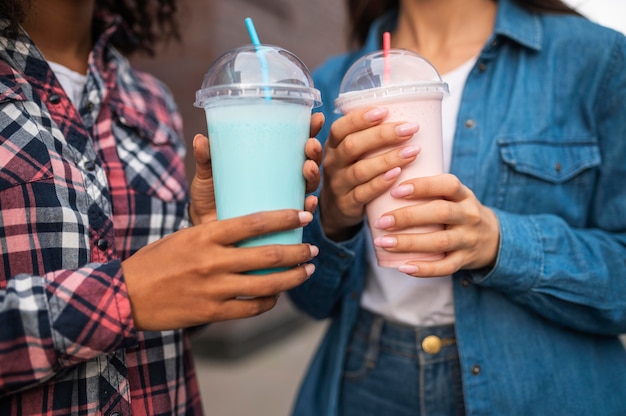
<point x="311" y="29"/>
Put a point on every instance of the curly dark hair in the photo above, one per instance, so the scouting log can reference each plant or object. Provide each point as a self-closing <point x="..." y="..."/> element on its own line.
<point x="362" y="13"/>
<point x="147" y="22"/>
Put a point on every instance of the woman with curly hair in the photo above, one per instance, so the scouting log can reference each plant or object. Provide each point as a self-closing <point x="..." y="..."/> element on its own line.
<point x="103" y="260"/>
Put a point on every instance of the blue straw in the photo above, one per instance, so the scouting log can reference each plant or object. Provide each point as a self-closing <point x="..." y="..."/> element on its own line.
<point x="254" y="37"/>
<point x="252" y="32"/>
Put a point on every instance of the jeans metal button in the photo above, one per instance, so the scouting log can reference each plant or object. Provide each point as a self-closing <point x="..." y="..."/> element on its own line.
<point x="432" y="344"/>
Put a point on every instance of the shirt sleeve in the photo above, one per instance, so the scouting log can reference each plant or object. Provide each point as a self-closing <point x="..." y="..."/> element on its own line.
<point x="56" y="321"/>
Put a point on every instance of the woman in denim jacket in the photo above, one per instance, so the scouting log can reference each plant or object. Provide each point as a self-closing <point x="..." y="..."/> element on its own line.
<point x="523" y="314"/>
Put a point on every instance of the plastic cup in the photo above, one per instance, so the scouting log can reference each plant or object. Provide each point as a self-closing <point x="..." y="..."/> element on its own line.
<point x="258" y="101"/>
<point x="411" y="89"/>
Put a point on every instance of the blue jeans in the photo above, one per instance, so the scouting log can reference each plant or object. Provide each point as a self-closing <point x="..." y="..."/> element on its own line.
<point x="388" y="373"/>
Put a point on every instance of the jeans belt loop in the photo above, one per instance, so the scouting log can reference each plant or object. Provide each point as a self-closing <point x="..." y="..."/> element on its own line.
<point x="374" y="341"/>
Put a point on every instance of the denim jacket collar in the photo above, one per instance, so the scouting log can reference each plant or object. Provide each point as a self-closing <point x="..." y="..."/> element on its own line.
<point x="512" y="21"/>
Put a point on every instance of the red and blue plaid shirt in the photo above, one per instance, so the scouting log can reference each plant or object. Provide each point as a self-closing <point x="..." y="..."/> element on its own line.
<point x="82" y="188"/>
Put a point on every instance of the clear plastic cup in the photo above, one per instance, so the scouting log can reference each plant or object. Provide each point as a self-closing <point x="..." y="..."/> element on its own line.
<point x="412" y="90"/>
<point x="258" y="101"/>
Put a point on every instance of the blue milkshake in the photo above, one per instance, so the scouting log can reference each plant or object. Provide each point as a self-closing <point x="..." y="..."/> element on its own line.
<point x="258" y="101"/>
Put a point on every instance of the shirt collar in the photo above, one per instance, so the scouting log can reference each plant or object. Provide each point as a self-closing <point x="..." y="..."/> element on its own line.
<point x="518" y="24"/>
<point x="512" y="21"/>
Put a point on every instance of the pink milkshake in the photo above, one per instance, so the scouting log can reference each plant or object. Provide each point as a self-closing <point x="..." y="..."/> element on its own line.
<point x="411" y="89"/>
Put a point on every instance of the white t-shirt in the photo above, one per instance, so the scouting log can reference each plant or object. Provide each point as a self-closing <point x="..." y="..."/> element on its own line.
<point x="72" y="82"/>
<point x="395" y="295"/>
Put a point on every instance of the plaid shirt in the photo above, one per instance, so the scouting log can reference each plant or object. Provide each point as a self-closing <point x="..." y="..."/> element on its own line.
<point x="82" y="188"/>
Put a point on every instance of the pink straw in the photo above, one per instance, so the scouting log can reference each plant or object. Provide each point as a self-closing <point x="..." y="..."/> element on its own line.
<point x="386" y="47"/>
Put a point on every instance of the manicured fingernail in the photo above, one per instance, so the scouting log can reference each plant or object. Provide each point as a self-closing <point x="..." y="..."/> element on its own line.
<point x="385" y="242"/>
<point x="408" y="269"/>
<point x="402" y="191"/>
<point x="385" y="221"/>
<point x="314" y="250"/>
<point x="310" y="269"/>
<point x="375" y="114"/>
<point x="392" y="174"/>
<point x="407" y="129"/>
<point x="409" y="151"/>
<point x="305" y="217"/>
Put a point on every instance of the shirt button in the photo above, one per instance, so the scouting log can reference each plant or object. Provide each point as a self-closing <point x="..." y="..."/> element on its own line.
<point x="90" y="106"/>
<point x="54" y="99"/>
<point x="475" y="369"/>
<point x="115" y="414"/>
<point x="469" y="123"/>
<point x="90" y="165"/>
<point x="102" y="244"/>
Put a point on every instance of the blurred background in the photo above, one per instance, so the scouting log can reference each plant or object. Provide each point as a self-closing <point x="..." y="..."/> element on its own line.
<point x="254" y="366"/>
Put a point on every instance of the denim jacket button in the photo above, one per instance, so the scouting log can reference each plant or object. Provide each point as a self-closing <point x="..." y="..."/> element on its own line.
<point x="465" y="282"/>
<point x="469" y="123"/>
<point x="475" y="370"/>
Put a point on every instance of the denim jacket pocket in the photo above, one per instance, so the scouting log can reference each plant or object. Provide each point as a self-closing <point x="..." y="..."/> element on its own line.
<point x="548" y="177"/>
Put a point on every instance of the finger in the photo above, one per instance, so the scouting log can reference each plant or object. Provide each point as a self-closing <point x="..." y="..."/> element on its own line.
<point x="367" y="191"/>
<point x="317" y="121"/>
<point x="310" y="203"/>
<point x="375" y="140"/>
<point x="233" y="230"/>
<point x="244" y="308"/>
<point x="353" y="122"/>
<point x="268" y="257"/>
<point x="313" y="151"/>
<point x="271" y="284"/>
<point x="311" y="173"/>
<point x="445" y="186"/>
<point x="202" y="156"/>
<point x="445" y="267"/>
<point x="422" y="213"/>
<point x="431" y="240"/>
<point x="365" y="170"/>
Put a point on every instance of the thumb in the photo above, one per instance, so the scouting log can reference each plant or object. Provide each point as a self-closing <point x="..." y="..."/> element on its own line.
<point x="202" y="156"/>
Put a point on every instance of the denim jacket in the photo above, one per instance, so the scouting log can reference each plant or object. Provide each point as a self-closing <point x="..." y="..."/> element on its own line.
<point x="541" y="140"/>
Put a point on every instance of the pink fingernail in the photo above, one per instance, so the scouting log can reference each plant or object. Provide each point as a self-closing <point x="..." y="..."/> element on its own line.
<point x="305" y="217"/>
<point x="375" y="114"/>
<point x="409" y="151"/>
<point x="407" y="129"/>
<point x="314" y="250"/>
<point x="310" y="269"/>
<point x="392" y="174"/>
<point x="402" y="191"/>
<point x="385" y="221"/>
<point x="408" y="269"/>
<point x="385" y="242"/>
